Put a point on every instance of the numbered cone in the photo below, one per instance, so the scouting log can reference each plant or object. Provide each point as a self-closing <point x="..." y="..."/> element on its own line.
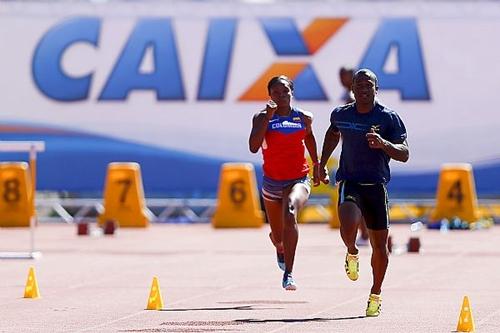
<point x="238" y="201"/>
<point x="320" y="213"/>
<point x="334" y="222"/>
<point x="124" y="196"/>
<point x="456" y="193"/>
<point x="16" y="205"/>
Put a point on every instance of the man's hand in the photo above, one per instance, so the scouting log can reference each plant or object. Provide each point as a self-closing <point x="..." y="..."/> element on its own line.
<point x="323" y="174"/>
<point x="375" y="141"/>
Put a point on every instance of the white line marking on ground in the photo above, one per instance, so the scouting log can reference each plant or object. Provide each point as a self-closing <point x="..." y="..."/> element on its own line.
<point x="142" y="311"/>
<point x="457" y="257"/>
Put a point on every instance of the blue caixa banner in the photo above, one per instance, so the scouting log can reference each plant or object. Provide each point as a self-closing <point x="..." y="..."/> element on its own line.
<point x="175" y="88"/>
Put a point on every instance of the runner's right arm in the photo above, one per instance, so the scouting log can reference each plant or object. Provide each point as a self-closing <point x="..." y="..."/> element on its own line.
<point x="332" y="138"/>
<point x="259" y="127"/>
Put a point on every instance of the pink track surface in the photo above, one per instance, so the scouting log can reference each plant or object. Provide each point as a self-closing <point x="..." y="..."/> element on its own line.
<point x="227" y="280"/>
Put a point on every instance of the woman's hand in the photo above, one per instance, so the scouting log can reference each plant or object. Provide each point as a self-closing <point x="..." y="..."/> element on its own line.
<point x="271" y="108"/>
<point x="316" y="175"/>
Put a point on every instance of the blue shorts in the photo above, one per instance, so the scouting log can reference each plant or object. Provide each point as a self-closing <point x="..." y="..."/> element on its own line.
<point x="273" y="189"/>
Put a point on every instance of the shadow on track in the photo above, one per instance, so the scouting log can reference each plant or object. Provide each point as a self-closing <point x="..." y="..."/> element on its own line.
<point x="243" y="307"/>
<point x="294" y="320"/>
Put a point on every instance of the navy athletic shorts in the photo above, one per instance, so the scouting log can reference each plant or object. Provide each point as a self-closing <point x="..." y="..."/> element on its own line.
<point x="371" y="199"/>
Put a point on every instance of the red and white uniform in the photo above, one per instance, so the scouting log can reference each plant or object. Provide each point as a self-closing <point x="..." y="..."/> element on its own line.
<point x="283" y="147"/>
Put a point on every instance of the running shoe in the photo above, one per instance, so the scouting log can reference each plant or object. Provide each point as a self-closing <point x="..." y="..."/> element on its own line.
<point x="374" y="305"/>
<point x="352" y="266"/>
<point x="288" y="282"/>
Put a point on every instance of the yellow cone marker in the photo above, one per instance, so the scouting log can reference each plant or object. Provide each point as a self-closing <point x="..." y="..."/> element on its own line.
<point x="334" y="209"/>
<point x="319" y="213"/>
<point x="124" y="196"/>
<point x="155" y="301"/>
<point x="456" y="193"/>
<point x="237" y="199"/>
<point x="315" y="214"/>
<point x="324" y="189"/>
<point x="31" y="289"/>
<point x="465" y="321"/>
<point x="16" y="206"/>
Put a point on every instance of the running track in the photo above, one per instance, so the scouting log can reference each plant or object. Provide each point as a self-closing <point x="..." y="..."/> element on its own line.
<point x="215" y="280"/>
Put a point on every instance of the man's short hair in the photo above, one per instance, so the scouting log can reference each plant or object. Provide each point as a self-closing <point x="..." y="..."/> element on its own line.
<point x="367" y="73"/>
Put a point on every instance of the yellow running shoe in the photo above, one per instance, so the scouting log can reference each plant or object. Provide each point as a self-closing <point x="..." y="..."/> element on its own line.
<point x="352" y="266"/>
<point x="374" y="305"/>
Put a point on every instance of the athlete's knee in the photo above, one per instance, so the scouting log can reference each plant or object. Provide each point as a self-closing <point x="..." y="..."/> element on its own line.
<point x="350" y="212"/>
<point x="295" y="204"/>
<point x="292" y="206"/>
<point x="380" y="249"/>
<point x="349" y="222"/>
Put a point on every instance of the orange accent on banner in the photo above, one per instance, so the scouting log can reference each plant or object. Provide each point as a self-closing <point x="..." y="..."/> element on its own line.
<point x="31" y="129"/>
<point x="320" y="31"/>
<point x="258" y="91"/>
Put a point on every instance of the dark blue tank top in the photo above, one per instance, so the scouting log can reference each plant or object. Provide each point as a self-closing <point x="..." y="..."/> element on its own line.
<point x="359" y="162"/>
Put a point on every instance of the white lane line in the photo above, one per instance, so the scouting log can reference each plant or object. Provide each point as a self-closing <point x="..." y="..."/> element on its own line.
<point x="62" y="292"/>
<point x="457" y="257"/>
<point x="112" y="321"/>
<point x="173" y="303"/>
